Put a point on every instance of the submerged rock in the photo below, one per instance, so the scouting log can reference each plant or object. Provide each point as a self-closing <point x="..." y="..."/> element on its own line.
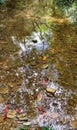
<point x="74" y="124"/>
<point x="22" y="117"/>
<point x="27" y="123"/>
<point x="51" y="90"/>
<point x="4" y="90"/>
<point x="63" y="120"/>
<point x="1" y="119"/>
<point x="1" y="99"/>
<point x="11" y="114"/>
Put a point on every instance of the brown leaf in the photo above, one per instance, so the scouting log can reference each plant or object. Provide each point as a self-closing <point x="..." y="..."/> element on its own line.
<point x="74" y="124"/>
<point x="39" y="97"/>
<point x="44" y="58"/>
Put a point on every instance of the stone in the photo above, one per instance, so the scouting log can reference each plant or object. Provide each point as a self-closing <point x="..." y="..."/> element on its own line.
<point x="21" y="115"/>
<point x="23" y="119"/>
<point x="1" y="119"/>
<point x="4" y="90"/>
<point x="39" y="97"/>
<point x="63" y="120"/>
<point x="51" y="90"/>
<point x="74" y="124"/>
<point x="27" y="123"/>
<point x="11" y="114"/>
<point x="1" y="99"/>
<point x="45" y="66"/>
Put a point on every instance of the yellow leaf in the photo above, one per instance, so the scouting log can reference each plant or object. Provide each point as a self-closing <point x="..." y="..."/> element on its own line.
<point x="44" y="58"/>
<point x="39" y="97"/>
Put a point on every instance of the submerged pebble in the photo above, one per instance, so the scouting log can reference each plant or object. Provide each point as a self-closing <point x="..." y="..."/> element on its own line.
<point x="51" y="90"/>
<point x="11" y="114"/>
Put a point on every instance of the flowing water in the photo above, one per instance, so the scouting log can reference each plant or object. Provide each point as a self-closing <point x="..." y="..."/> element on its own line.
<point x="35" y="47"/>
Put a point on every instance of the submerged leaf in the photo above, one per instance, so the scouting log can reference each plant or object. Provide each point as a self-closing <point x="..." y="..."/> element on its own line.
<point x="44" y="58"/>
<point x="39" y="97"/>
<point x="74" y="124"/>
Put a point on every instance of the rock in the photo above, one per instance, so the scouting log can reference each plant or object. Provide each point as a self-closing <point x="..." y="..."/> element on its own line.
<point x="23" y="119"/>
<point x="39" y="97"/>
<point x="74" y="124"/>
<point x="27" y="123"/>
<point x="20" y="122"/>
<point x="1" y="119"/>
<point x="45" y="66"/>
<point x="75" y="95"/>
<point x="1" y="99"/>
<point x="21" y="115"/>
<point x="4" y="90"/>
<point x="63" y="120"/>
<point x="51" y="90"/>
<point x="11" y="114"/>
<point x="75" y="116"/>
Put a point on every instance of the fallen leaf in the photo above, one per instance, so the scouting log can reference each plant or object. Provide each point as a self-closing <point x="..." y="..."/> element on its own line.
<point x="1" y="119"/>
<point x="52" y="50"/>
<point x="74" y="124"/>
<point x="4" y="90"/>
<point x="1" y="63"/>
<point x="39" y="97"/>
<point x="63" y="120"/>
<point x="44" y="58"/>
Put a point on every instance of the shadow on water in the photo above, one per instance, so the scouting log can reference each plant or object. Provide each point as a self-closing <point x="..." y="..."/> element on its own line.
<point x="33" y="49"/>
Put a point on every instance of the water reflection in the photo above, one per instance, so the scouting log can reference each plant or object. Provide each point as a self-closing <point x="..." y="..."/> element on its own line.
<point x="22" y="68"/>
<point x="34" y="41"/>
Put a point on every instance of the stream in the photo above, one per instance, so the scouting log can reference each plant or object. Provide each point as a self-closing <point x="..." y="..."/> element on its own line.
<point x="37" y="52"/>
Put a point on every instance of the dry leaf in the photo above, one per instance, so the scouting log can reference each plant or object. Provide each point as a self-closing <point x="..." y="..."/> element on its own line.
<point x="44" y="58"/>
<point x="39" y="97"/>
<point x="74" y="124"/>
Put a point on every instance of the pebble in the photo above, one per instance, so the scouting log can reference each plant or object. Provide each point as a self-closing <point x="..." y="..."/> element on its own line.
<point x="1" y="99"/>
<point x="51" y="90"/>
<point x="74" y="124"/>
<point x="1" y="119"/>
<point x="21" y="115"/>
<point x="23" y="119"/>
<point x="11" y="114"/>
<point x="45" y="66"/>
<point x="4" y="90"/>
<point x="63" y="120"/>
<point x="27" y="123"/>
